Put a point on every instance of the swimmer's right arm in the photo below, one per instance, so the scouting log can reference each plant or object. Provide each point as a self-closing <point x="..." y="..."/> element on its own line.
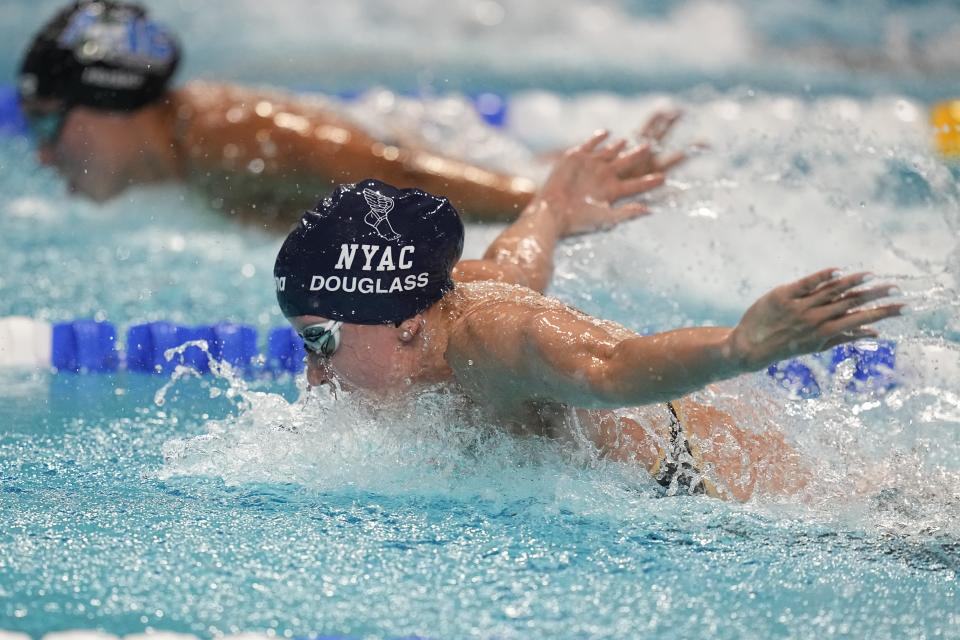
<point x="569" y="358"/>
<point x="583" y="193"/>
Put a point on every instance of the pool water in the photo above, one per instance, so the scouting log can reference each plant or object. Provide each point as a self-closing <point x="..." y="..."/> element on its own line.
<point x="216" y="505"/>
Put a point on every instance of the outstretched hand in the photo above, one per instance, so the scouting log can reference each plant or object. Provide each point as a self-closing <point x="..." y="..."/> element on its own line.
<point x="814" y="313"/>
<point x="590" y="179"/>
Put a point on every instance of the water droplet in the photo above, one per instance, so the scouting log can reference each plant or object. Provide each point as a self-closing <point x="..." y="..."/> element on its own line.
<point x="264" y="109"/>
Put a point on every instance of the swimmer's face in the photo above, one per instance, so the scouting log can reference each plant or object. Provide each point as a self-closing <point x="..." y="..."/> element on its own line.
<point x="93" y="150"/>
<point x="378" y="358"/>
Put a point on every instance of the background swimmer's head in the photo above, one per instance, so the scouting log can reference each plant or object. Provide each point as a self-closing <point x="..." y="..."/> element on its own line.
<point x="374" y="257"/>
<point x="84" y="84"/>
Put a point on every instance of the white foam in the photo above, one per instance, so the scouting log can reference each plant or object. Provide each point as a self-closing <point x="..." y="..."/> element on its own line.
<point x="38" y="209"/>
<point x="788" y="187"/>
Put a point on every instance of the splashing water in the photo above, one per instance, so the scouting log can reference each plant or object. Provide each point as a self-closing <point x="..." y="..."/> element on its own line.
<point x="872" y="452"/>
<point x="226" y="506"/>
<point x="327" y="440"/>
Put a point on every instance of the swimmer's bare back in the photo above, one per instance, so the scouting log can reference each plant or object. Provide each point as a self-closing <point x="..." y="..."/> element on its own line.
<point x="266" y="157"/>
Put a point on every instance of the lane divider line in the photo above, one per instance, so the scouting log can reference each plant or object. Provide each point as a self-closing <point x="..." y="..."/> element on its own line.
<point x="89" y="346"/>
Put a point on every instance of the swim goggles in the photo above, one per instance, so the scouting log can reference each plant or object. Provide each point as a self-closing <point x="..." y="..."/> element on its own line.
<point x="322" y="338"/>
<point x="46" y="128"/>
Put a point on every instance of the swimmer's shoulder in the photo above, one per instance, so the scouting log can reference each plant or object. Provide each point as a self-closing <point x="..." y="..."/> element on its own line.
<point x="475" y="298"/>
<point x="497" y="306"/>
<point x="489" y="311"/>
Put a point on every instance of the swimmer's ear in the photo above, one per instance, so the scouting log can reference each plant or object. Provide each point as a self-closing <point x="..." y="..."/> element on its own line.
<point x="409" y="329"/>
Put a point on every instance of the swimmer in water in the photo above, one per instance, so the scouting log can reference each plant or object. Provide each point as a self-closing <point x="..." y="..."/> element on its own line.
<point x="94" y="85"/>
<point x="386" y="314"/>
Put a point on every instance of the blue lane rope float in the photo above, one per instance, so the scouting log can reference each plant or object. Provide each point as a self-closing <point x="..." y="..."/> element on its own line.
<point x="492" y="107"/>
<point x="85" y="345"/>
<point x="148" y="343"/>
<point x="89" y="346"/>
<point x="285" y="350"/>
<point x="873" y="369"/>
<point x="12" y="122"/>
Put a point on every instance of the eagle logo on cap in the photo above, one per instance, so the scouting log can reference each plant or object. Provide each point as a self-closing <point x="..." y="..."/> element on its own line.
<point x="380" y="208"/>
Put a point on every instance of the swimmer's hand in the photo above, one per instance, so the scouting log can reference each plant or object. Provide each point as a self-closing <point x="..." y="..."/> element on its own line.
<point x="812" y="314"/>
<point x="589" y="180"/>
<point x="652" y="135"/>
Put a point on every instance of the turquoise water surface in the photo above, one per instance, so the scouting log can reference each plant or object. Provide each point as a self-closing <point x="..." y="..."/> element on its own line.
<point x="215" y="506"/>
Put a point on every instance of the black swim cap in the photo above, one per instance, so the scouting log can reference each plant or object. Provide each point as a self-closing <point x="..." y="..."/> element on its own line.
<point x="369" y="254"/>
<point x="100" y="53"/>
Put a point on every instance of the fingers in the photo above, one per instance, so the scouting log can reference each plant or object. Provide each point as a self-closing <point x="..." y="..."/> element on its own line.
<point x="630" y="211"/>
<point x="851" y="300"/>
<point x="633" y="186"/>
<point x="637" y="160"/>
<point x="659" y="125"/>
<point x="856" y="319"/>
<point x="610" y="152"/>
<point x="828" y="291"/>
<point x="593" y="141"/>
<point x="805" y="285"/>
<point x="666" y="164"/>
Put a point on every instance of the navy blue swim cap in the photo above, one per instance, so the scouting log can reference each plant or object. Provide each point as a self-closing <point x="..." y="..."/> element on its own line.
<point x="100" y="53"/>
<point x="369" y="254"/>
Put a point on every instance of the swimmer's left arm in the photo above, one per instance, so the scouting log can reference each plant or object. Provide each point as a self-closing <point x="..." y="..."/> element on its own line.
<point x="564" y="356"/>
<point x="580" y="195"/>
<point x="522" y="254"/>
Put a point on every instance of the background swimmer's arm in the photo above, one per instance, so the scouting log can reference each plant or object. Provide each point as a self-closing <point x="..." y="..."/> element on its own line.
<point x="563" y="356"/>
<point x="278" y="141"/>
<point x="579" y="196"/>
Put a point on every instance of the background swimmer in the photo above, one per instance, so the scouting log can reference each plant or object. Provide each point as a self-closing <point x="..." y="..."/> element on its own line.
<point x="531" y="360"/>
<point x="95" y="87"/>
